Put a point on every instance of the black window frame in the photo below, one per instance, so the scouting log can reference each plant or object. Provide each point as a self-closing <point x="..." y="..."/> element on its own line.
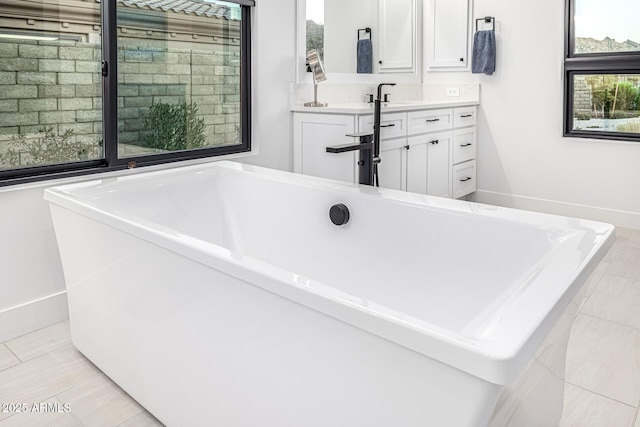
<point x="589" y="64"/>
<point x="111" y="161"/>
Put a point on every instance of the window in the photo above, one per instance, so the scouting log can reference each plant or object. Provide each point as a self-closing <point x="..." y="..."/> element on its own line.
<point x="602" y="70"/>
<point x="90" y="86"/>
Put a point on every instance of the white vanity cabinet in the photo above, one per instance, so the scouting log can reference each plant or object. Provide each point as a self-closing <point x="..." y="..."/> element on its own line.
<point x="427" y="151"/>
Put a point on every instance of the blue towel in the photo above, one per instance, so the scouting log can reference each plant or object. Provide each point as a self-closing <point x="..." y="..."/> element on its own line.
<point x="483" y="59"/>
<point x="365" y="56"/>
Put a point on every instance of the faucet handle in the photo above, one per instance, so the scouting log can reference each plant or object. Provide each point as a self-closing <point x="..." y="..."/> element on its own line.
<point x="369" y="97"/>
<point x="363" y="137"/>
<point x="386" y="97"/>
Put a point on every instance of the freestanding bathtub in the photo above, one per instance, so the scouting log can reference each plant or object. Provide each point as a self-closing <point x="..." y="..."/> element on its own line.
<point x="223" y="295"/>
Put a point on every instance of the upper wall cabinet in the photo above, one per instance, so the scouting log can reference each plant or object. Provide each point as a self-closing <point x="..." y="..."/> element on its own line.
<point x="447" y="35"/>
<point x="397" y="36"/>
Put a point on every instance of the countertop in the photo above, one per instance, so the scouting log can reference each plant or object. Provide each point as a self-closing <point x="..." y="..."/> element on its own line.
<point x="388" y="107"/>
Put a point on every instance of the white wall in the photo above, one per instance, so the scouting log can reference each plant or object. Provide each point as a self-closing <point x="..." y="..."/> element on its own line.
<point x="523" y="160"/>
<point x="29" y="264"/>
<point x="342" y="21"/>
<point x="273" y="67"/>
<point x="32" y="285"/>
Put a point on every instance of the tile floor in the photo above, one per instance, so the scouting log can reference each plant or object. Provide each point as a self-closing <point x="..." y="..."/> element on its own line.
<point x="603" y="363"/>
<point x="44" y="368"/>
<point x="603" y="359"/>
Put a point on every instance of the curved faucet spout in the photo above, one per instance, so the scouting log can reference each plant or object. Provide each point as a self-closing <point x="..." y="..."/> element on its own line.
<point x="380" y="88"/>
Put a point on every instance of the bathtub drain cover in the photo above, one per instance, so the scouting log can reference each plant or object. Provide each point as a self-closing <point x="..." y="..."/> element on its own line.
<point x="339" y="214"/>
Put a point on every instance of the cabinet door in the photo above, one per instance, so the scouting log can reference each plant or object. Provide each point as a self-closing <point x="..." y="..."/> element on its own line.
<point x="429" y="163"/>
<point x="439" y="166"/>
<point x="397" y="36"/>
<point x="393" y="164"/>
<point x="417" y="164"/>
<point x="447" y="34"/>
<point x="312" y="134"/>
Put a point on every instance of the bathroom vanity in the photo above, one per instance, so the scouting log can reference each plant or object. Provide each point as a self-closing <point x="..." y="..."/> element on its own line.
<point x="425" y="147"/>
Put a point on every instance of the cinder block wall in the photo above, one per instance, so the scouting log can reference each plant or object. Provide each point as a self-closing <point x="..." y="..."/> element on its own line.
<point x="58" y="84"/>
<point x="582" y="97"/>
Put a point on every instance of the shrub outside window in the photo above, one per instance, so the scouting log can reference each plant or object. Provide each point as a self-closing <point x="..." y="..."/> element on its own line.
<point x="602" y="70"/>
<point x="94" y="85"/>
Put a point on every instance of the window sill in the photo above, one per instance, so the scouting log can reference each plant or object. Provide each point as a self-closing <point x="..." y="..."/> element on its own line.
<point x="101" y="173"/>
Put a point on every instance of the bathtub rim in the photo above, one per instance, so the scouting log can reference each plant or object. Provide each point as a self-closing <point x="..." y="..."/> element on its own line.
<point x="496" y="365"/>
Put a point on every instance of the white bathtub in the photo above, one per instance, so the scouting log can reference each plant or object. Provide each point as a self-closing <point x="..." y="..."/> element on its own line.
<point x="222" y="295"/>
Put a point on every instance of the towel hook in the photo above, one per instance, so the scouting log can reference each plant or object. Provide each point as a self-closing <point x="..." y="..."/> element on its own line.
<point x="487" y="19"/>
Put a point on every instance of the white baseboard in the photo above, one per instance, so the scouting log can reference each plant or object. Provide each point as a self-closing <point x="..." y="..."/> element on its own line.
<point x="616" y="217"/>
<point x="33" y="315"/>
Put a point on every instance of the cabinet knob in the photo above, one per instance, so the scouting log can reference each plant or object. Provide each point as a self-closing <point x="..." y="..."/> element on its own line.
<point x="435" y="141"/>
<point x="380" y="62"/>
<point x="461" y="59"/>
<point x="407" y="146"/>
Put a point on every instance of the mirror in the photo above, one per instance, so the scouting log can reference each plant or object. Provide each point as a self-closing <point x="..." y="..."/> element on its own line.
<point x="363" y="36"/>
<point x="317" y="71"/>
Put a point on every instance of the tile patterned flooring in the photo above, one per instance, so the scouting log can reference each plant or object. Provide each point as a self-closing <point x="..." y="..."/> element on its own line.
<point x="602" y="381"/>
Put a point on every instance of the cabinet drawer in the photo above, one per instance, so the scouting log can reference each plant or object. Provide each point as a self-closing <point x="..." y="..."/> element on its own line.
<point x="464" y="179"/>
<point x="429" y="120"/>
<point x="392" y="125"/>
<point x="464" y="116"/>
<point x="464" y="145"/>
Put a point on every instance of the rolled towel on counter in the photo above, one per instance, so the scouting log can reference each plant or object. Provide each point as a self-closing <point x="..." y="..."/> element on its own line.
<point x="365" y="56"/>
<point x="483" y="58"/>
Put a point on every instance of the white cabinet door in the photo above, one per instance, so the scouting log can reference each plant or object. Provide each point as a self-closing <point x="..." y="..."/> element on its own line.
<point x="417" y="164"/>
<point x="393" y="164"/>
<point x="397" y="52"/>
<point x="439" y="166"/>
<point x="319" y="131"/>
<point x="428" y="164"/>
<point x="447" y="34"/>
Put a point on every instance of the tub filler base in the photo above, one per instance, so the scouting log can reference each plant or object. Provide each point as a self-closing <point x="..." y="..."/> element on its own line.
<point x="200" y="342"/>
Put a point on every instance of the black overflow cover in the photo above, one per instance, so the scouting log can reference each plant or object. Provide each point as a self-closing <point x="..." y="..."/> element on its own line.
<point x="339" y="214"/>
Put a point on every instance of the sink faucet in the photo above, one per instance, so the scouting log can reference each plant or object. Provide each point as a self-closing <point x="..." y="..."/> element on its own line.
<point x="368" y="145"/>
